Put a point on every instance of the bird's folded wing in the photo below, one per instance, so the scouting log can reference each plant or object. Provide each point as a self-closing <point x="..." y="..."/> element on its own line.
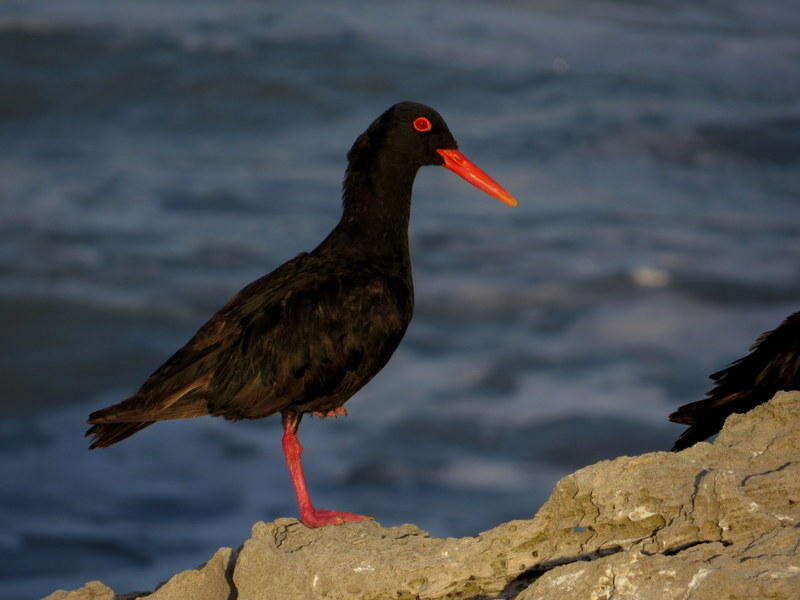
<point x="297" y="334"/>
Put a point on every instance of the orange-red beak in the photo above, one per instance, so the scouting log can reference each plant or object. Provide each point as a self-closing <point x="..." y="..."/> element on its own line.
<point x="463" y="167"/>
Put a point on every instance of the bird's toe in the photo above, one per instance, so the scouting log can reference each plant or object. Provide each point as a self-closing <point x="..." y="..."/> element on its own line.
<point x="321" y="517"/>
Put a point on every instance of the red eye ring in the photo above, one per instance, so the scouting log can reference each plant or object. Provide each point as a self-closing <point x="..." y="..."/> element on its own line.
<point x="422" y="124"/>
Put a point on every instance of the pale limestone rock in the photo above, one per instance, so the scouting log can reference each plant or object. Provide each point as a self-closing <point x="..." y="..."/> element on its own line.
<point x="207" y="582"/>
<point x="716" y="520"/>
<point x="284" y="559"/>
<point x="709" y="571"/>
<point x="94" y="590"/>
<point x="728" y="525"/>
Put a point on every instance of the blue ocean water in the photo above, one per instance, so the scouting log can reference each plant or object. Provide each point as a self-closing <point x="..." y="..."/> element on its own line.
<point x="157" y="156"/>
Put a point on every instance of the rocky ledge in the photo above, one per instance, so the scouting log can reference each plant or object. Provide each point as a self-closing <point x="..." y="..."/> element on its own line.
<point x="719" y="520"/>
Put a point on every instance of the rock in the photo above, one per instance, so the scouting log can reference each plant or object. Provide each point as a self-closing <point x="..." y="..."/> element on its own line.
<point x="94" y="590"/>
<point x="708" y="571"/>
<point x="721" y="519"/>
<point x="715" y="521"/>
<point x="208" y="582"/>
<point x="285" y="559"/>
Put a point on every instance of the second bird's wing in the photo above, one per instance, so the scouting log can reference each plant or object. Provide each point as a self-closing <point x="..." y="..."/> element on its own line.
<point x="772" y="365"/>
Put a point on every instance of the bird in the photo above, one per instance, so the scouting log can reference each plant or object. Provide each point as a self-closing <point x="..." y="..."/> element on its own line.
<point x="307" y="336"/>
<point x="772" y="365"/>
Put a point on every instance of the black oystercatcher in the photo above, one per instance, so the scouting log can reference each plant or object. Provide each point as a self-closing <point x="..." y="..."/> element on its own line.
<point x="772" y="365"/>
<point x="309" y="335"/>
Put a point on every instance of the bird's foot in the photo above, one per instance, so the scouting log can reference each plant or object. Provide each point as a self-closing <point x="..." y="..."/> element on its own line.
<point x="319" y="517"/>
<point x="336" y="412"/>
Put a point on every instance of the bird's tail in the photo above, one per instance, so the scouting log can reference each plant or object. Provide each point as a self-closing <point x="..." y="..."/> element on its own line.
<point x="119" y="421"/>
<point x="691" y="413"/>
<point x="696" y="433"/>
<point x="704" y="417"/>
<point x="106" y="434"/>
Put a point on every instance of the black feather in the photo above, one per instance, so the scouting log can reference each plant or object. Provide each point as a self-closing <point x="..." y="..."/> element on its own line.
<point x="772" y="365"/>
<point x="111" y="433"/>
<point x="309" y="335"/>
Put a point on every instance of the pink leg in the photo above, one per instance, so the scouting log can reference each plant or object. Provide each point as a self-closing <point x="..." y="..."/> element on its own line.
<point x="292" y="450"/>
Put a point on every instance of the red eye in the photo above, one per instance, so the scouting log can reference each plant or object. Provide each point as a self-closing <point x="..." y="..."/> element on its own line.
<point x="422" y="124"/>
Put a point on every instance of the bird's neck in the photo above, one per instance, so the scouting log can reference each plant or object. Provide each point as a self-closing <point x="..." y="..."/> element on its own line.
<point x="377" y="206"/>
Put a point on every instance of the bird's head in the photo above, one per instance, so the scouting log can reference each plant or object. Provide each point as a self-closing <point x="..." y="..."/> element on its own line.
<point x="416" y="135"/>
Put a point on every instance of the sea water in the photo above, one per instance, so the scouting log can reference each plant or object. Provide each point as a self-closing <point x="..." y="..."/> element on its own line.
<point x="157" y="156"/>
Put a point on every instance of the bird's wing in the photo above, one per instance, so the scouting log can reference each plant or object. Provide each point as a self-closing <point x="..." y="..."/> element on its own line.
<point x="178" y="388"/>
<point x="323" y="340"/>
<point x="299" y="333"/>
<point x="773" y="364"/>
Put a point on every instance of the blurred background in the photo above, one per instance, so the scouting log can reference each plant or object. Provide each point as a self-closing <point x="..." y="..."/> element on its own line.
<point x="155" y="156"/>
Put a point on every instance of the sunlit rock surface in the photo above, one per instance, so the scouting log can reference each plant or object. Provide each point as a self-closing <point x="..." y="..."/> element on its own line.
<point x="718" y="520"/>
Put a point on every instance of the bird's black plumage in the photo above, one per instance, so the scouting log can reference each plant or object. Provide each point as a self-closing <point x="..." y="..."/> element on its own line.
<point x="772" y="365"/>
<point x="307" y="336"/>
